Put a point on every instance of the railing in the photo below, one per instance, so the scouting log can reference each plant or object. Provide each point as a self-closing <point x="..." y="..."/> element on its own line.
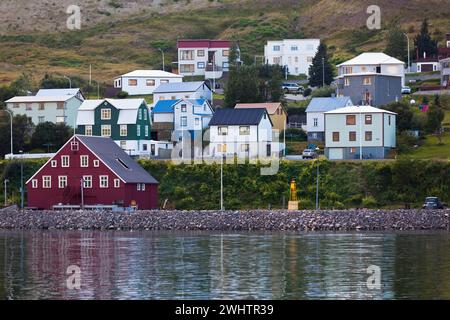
<point x="296" y="125"/>
<point x="211" y="68"/>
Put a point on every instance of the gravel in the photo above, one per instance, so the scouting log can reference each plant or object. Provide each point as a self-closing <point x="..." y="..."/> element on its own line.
<point x="255" y="220"/>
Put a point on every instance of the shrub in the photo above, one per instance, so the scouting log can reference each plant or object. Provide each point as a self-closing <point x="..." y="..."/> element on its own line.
<point x="369" y="202"/>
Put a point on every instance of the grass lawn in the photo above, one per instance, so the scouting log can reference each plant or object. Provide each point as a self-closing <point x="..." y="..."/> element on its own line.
<point x="431" y="149"/>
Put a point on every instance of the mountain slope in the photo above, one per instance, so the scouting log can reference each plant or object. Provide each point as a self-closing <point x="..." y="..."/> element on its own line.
<point x="118" y="36"/>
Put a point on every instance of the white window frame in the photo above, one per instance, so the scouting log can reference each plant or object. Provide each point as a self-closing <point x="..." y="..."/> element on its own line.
<point x="138" y="130"/>
<point x="88" y="130"/>
<point x="84" y="161"/>
<point x="103" y="179"/>
<point x="105" y="114"/>
<point x="123" y="130"/>
<point x="65" y="161"/>
<point x="34" y="183"/>
<point x="143" y="187"/>
<point x="116" y="183"/>
<point x="46" y="182"/>
<point x="138" y="187"/>
<point x="106" y="127"/>
<point x="146" y="131"/>
<point x="62" y="182"/>
<point x="183" y="121"/>
<point x="87" y="182"/>
<point x="54" y="163"/>
<point x="96" y="163"/>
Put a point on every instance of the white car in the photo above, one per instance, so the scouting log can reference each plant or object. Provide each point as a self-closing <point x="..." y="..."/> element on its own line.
<point x="309" y="154"/>
<point x="406" y="90"/>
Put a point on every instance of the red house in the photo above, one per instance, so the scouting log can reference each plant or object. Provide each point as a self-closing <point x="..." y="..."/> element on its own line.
<point x="93" y="171"/>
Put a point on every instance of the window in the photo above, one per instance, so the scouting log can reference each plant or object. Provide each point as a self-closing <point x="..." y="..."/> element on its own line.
<point x="74" y="146"/>
<point x="348" y="70"/>
<point x="183" y="121"/>
<point x="222" y="131"/>
<point x="132" y="82"/>
<point x="294" y="48"/>
<point x="62" y="182"/>
<point x="46" y="182"/>
<point x="183" y="108"/>
<point x="352" y="136"/>
<point x="34" y="183"/>
<point x="88" y="130"/>
<point x="28" y="106"/>
<point x="316" y="122"/>
<point x="363" y="69"/>
<point x="368" y="136"/>
<point x="60" y="119"/>
<point x="138" y="130"/>
<point x="200" y="53"/>
<point x="16" y="105"/>
<point x="352" y="150"/>
<point x="106" y="114"/>
<point x="87" y="182"/>
<point x="145" y="114"/>
<point x="346" y="82"/>
<point x="173" y="98"/>
<point x="225" y="64"/>
<point x="150" y="82"/>
<point x="276" y="48"/>
<point x="225" y="53"/>
<point x="96" y="163"/>
<point x="54" y="163"/>
<point x="222" y="147"/>
<point x="65" y="161"/>
<point x="84" y="161"/>
<point x="309" y="47"/>
<point x="309" y="59"/>
<point x="389" y="120"/>
<point x="123" y="130"/>
<point x="187" y="68"/>
<point x="351" y="120"/>
<point x="106" y="131"/>
<point x="60" y="105"/>
<point x="123" y="145"/>
<point x="367" y="81"/>
<point x="164" y="81"/>
<point x="245" y="147"/>
<point x="116" y="183"/>
<point x="140" y="114"/>
<point x="200" y="65"/>
<point x="296" y="59"/>
<point x="143" y="187"/>
<point x="244" y="130"/>
<point x="146" y="131"/>
<point x="41" y="106"/>
<point x="197" y="121"/>
<point x="41" y="119"/>
<point x="103" y="181"/>
<point x="276" y="60"/>
<point x="138" y="187"/>
<point x="187" y="54"/>
<point x="368" y="119"/>
<point x="336" y="136"/>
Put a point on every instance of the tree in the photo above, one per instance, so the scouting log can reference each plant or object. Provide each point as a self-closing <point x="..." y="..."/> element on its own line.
<point x="397" y="45"/>
<point x="435" y="116"/>
<point x="50" y="136"/>
<point x="242" y="86"/>
<point x="424" y="43"/>
<point x="316" y="70"/>
<point x="22" y="85"/>
<point x="404" y="115"/>
<point x="22" y="131"/>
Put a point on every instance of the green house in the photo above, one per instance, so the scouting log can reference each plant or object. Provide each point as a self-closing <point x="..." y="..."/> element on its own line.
<point x="126" y="121"/>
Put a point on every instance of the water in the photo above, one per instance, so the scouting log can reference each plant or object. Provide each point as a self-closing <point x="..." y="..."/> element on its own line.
<point x="176" y="265"/>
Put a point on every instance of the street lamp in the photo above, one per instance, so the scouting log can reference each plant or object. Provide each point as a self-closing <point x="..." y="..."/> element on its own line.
<point x="163" y="64"/>
<point x="407" y="40"/>
<point x="70" y="81"/>
<point x="6" y="192"/>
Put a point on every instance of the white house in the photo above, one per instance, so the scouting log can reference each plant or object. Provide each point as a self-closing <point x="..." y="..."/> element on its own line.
<point x="246" y="133"/>
<point x="183" y="90"/>
<point x="359" y="132"/>
<point x="315" y="119"/>
<point x="40" y="109"/>
<point x="61" y="92"/>
<point x="296" y="54"/>
<point x="144" y="82"/>
<point x="207" y="58"/>
<point x="372" y="63"/>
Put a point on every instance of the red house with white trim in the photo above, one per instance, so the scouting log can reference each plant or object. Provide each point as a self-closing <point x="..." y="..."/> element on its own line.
<point x="93" y="171"/>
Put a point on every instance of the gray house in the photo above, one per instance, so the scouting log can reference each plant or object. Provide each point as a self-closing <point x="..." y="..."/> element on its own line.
<point x="370" y="89"/>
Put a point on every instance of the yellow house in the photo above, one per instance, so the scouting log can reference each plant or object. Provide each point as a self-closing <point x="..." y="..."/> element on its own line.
<point x="275" y="110"/>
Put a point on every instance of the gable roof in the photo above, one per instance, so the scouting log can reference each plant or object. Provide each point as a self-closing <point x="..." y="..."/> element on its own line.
<point x="117" y="103"/>
<point x="180" y="87"/>
<point x="271" y="107"/>
<point x="151" y="74"/>
<point x="109" y="153"/>
<point x="203" y="43"/>
<point x="58" y="92"/>
<point x="359" y="109"/>
<point x="368" y="58"/>
<point x="164" y="106"/>
<point x="128" y="110"/>
<point x="231" y="117"/>
<point x="31" y="99"/>
<point x="328" y="104"/>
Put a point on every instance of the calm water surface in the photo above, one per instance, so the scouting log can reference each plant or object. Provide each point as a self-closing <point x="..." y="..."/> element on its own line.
<point x="174" y="265"/>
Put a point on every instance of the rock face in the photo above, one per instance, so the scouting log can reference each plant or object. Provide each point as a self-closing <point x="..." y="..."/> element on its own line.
<point x="254" y="220"/>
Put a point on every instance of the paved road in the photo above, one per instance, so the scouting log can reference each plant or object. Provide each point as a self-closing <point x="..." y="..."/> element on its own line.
<point x="295" y="97"/>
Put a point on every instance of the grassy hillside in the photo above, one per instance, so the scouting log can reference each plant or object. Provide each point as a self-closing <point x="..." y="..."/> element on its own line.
<point x="118" y="36"/>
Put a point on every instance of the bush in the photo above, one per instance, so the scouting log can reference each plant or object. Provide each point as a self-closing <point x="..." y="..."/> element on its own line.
<point x="307" y="92"/>
<point x="323" y="92"/>
<point x="369" y="202"/>
<point x="122" y="95"/>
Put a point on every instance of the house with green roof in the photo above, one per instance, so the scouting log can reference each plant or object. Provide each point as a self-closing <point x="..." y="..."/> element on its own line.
<point x="126" y="121"/>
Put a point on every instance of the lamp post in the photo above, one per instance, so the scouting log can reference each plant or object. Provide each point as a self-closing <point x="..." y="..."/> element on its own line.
<point x="163" y="63"/>
<point x="409" y="60"/>
<point x="221" y="183"/>
<point x="6" y="191"/>
<point x="21" y="180"/>
<point x="70" y="81"/>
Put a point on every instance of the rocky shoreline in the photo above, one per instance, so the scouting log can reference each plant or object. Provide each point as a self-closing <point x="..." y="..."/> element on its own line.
<point x="252" y="220"/>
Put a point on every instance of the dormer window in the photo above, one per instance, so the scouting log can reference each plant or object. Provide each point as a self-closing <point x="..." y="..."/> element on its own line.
<point x="74" y="145"/>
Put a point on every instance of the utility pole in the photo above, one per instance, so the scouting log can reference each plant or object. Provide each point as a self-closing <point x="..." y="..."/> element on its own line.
<point x="409" y="59"/>
<point x="360" y="134"/>
<point x="82" y="193"/>
<point x="6" y="191"/>
<point x="163" y="63"/>
<point x="317" y="185"/>
<point x="323" y="72"/>
<point x="21" y="180"/>
<point x="221" y="183"/>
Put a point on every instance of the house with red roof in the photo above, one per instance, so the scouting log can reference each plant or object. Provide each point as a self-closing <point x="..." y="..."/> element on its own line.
<point x="90" y="171"/>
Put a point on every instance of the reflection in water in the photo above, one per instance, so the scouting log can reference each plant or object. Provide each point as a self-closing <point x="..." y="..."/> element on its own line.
<point x="174" y="265"/>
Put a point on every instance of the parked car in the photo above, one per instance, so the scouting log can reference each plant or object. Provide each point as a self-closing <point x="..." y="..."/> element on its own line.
<point x="406" y="90"/>
<point x="309" y="154"/>
<point x="433" y="203"/>
<point x="291" y="87"/>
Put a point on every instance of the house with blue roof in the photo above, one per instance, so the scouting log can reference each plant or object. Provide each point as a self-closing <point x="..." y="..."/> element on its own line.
<point x="315" y="118"/>
<point x="173" y="118"/>
<point x="183" y="90"/>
